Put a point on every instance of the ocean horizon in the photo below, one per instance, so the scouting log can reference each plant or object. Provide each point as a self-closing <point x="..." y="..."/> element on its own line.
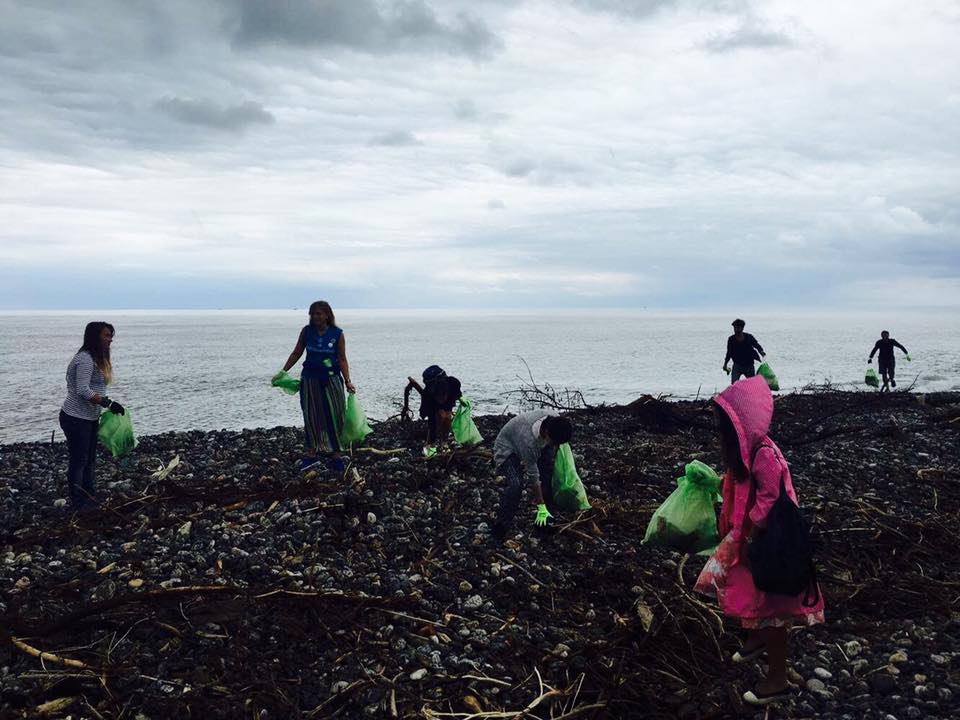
<point x="210" y="369"/>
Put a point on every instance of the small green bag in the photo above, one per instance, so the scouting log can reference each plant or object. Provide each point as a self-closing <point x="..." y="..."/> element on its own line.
<point x="116" y="433"/>
<point x="290" y="385"/>
<point x="464" y="428"/>
<point x="355" y="427"/>
<point x="568" y="490"/>
<point x="687" y="521"/>
<point x="871" y="378"/>
<point x="767" y="373"/>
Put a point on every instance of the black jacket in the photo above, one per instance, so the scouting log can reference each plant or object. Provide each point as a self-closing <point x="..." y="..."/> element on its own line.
<point x="743" y="353"/>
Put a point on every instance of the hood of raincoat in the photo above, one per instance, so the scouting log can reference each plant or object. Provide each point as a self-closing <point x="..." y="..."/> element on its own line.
<point x="749" y="405"/>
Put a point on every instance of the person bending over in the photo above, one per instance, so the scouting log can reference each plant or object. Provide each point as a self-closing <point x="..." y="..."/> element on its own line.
<point x="887" y="362"/>
<point x="524" y="453"/>
<point x="438" y="396"/>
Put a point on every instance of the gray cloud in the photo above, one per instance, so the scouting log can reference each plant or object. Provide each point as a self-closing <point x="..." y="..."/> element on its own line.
<point x="632" y="8"/>
<point x="749" y="35"/>
<point x="410" y="25"/>
<point x="640" y="9"/>
<point x="495" y="204"/>
<point x="396" y="138"/>
<point x="521" y="167"/>
<point x="207" y="113"/>
<point x="466" y="109"/>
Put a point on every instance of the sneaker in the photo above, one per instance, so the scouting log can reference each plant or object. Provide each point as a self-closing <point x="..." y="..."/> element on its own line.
<point x="893" y="383"/>
<point x="755" y="697"/>
<point x="309" y="463"/>
<point x="743" y="655"/>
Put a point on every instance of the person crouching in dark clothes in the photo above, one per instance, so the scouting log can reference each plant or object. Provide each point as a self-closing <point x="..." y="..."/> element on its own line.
<point x="438" y="396"/>
<point x="524" y="454"/>
<point x="887" y="362"/>
<point x="743" y="349"/>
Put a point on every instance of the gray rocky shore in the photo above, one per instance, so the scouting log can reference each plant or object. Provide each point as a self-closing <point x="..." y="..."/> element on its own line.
<point x="236" y="587"/>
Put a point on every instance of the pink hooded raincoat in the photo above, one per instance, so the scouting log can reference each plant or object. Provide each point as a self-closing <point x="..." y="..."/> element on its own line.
<point x="726" y="576"/>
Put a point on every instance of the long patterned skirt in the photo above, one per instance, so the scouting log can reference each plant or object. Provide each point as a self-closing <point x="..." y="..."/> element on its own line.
<point x="324" y="404"/>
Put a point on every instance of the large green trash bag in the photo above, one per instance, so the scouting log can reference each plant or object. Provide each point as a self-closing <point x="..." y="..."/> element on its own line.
<point x="871" y="378"/>
<point x="464" y="428"/>
<point x="568" y="490"/>
<point x="687" y="521"/>
<point x="283" y="380"/>
<point x="767" y="373"/>
<point x="355" y="427"/>
<point x="116" y="433"/>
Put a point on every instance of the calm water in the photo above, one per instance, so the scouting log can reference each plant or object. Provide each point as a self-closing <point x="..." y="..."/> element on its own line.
<point x="210" y="369"/>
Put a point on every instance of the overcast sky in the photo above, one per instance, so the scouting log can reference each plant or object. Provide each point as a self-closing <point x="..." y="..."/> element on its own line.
<point x="435" y="153"/>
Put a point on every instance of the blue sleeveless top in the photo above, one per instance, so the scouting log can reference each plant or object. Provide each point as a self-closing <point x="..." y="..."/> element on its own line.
<point x="322" y="362"/>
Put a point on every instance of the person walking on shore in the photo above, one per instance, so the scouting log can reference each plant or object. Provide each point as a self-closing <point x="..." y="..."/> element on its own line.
<point x="743" y="349"/>
<point x="325" y="375"/>
<point x="88" y="374"/>
<point x="524" y="454"/>
<point x="755" y="473"/>
<point x="887" y="362"/>
<point x="438" y="395"/>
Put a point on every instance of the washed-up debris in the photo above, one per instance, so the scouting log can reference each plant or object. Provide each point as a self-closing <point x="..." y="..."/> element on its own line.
<point x="229" y="585"/>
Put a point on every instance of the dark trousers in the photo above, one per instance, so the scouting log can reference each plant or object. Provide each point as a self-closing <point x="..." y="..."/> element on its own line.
<point x="512" y="469"/>
<point x="888" y="369"/>
<point x="82" y="445"/>
<point x="740" y="371"/>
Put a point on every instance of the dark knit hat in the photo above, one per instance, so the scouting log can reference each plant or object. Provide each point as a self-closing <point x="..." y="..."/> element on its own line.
<point x="432" y="373"/>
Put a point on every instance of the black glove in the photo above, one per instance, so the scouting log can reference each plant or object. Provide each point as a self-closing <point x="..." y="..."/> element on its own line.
<point x="116" y="408"/>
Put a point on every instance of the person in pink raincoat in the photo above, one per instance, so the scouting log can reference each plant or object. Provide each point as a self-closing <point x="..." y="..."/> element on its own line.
<point x="751" y="485"/>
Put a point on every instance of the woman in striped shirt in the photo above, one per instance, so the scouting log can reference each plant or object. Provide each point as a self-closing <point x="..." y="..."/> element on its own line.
<point x="88" y="375"/>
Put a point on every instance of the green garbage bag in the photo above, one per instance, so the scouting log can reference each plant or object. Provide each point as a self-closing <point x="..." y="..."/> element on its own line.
<point x="568" y="490"/>
<point x="116" y="433"/>
<point x="355" y="427"/>
<point x="283" y="380"/>
<point x="464" y="428"/>
<point x="871" y="378"/>
<point x="767" y="373"/>
<point x="687" y="521"/>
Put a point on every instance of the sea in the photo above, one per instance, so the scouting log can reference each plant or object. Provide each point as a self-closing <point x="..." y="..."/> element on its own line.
<point x="207" y="369"/>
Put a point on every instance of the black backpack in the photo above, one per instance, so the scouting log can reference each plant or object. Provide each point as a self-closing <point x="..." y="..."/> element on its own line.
<point x="781" y="554"/>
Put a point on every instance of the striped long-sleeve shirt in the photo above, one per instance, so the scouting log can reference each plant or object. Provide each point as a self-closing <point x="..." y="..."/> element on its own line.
<point x="84" y="380"/>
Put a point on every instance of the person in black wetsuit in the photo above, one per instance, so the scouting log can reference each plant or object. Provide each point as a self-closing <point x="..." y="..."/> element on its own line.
<point x="887" y="363"/>
<point x="743" y="349"/>
<point x="438" y="396"/>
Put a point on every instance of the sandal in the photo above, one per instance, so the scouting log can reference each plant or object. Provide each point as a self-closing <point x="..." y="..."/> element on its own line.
<point x="755" y="697"/>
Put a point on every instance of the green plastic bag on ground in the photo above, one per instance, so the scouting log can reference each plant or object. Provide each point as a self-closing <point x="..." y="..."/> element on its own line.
<point x="355" y="427"/>
<point x="568" y="490"/>
<point x="871" y="378"/>
<point x="464" y="428"/>
<point x="283" y="380"/>
<point x="116" y="433"/>
<point x="767" y="373"/>
<point x="687" y="521"/>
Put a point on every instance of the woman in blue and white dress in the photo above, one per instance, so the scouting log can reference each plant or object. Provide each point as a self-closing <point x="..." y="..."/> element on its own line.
<point x="325" y="376"/>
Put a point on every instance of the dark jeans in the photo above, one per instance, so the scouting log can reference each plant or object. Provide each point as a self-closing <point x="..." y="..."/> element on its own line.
<point x="82" y="445"/>
<point x="513" y="470"/>
<point x="888" y="369"/>
<point x="741" y="371"/>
